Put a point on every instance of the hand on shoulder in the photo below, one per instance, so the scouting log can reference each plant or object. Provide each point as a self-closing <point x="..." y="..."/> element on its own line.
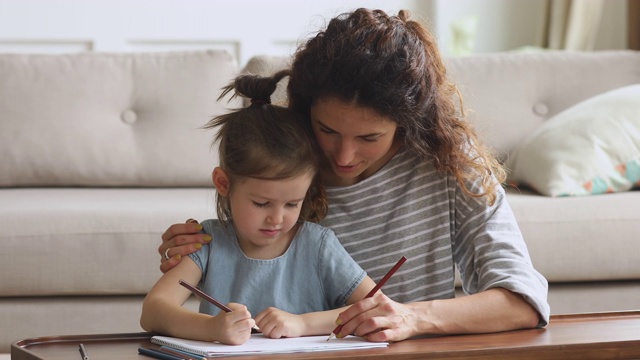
<point x="180" y="240"/>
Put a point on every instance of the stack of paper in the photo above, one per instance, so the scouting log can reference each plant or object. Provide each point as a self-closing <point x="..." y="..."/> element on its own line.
<point x="260" y="344"/>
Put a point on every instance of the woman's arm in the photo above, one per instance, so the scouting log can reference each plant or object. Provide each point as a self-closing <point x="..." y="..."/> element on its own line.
<point x="180" y="240"/>
<point x="381" y="319"/>
<point x="490" y="249"/>
<point x="162" y="311"/>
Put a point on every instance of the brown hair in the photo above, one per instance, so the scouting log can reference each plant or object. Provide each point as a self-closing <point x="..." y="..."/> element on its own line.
<point x="265" y="141"/>
<point x="392" y="65"/>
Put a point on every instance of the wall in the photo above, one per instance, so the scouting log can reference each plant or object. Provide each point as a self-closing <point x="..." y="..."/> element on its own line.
<point x="504" y="25"/>
<point x="249" y="27"/>
<point x="243" y="27"/>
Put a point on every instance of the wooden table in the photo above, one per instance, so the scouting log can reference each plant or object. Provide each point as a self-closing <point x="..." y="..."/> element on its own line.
<point x="613" y="335"/>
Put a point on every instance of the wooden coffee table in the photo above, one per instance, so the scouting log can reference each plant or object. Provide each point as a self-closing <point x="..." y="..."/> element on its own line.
<point x="614" y="335"/>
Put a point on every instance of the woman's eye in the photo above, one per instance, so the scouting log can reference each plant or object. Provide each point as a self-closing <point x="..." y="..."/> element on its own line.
<point x="370" y="139"/>
<point x="327" y="131"/>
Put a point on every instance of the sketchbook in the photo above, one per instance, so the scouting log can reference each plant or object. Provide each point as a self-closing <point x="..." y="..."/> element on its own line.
<point x="260" y="344"/>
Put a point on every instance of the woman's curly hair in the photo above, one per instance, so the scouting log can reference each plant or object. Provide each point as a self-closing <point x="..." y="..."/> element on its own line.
<point x="392" y="65"/>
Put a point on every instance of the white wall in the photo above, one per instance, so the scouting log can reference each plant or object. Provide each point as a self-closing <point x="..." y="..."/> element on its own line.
<point x="504" y="25"/>
<point x="249" y="27"/>
<point x="244" y="27"/>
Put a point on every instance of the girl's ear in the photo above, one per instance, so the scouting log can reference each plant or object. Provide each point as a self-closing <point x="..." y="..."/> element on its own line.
<point x="220" y="181"/>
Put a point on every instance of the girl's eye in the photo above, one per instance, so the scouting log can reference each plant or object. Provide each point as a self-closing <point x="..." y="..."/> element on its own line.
<point x="369" y="139"/>
<point x="292" y="205"/>
<point x="260" y="205"/>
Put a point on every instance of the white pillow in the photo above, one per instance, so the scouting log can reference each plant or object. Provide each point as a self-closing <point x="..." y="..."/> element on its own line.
<point x="591" y="148"/>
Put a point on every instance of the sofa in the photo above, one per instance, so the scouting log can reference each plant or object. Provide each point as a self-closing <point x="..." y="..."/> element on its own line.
<point x="101" y="152"/>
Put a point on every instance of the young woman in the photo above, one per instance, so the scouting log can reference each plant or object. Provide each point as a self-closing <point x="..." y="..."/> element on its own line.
<point x="265" y="259"/>
<point x="406" y="175"/>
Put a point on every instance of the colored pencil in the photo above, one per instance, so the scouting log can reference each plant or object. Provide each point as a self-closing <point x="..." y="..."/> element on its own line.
<point x="158" y="354"/>
<point x="201" y="294"/>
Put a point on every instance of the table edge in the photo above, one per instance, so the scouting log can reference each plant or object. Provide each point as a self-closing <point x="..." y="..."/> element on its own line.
<point x="23" y="345"/>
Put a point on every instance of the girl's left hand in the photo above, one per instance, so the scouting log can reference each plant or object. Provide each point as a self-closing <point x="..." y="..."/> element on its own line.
<point x="276" y="323"/>
<point x="379" y="318"/>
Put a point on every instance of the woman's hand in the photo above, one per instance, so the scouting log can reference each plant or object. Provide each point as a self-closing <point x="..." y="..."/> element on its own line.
<point x="232" y="328"/>
<point x="276" y="323"/>
<point x="180" y="240"/>
<point x="379" y="318"/>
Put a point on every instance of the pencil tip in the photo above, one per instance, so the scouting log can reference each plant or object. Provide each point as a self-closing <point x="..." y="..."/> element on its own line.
<point x="330" y="336"/>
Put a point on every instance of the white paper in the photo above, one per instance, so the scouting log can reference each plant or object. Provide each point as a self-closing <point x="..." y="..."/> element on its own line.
<point x="260" y="344"/>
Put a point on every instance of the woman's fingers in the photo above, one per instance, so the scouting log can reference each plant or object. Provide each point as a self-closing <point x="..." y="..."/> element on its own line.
<point x="387" y="321"/>
<point x="167" y="265"/>
<point x="180" y="240"/>
<point x="373" y="315"/>
<point x="174" y="231"/>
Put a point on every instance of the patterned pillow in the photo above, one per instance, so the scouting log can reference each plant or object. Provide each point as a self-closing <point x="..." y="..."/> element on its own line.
<point x="590" y="148"/>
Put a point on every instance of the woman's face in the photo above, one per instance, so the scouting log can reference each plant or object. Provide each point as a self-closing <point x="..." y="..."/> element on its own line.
<point x="355" y="140"/>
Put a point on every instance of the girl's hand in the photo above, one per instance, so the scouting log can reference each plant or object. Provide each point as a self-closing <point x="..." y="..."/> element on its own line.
<point x="379" y="318"/>
<point x="232" y="328"/>
<point x="180" y="240"/>
<point x="276" y="323"/>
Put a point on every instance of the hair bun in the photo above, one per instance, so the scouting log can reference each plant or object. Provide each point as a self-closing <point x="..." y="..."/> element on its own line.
<point x="258" y="102"/>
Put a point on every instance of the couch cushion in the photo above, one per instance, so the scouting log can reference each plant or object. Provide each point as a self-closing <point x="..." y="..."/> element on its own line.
<point x="96" y="119"/>
<point x="580" y="238"/>
<point x="509" y="95"/>
<point x="591" y="148"/>
<point x="61" y="241"/>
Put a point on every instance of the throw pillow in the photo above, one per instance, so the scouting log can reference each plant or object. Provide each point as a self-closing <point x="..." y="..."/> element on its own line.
<point x="591" y="148"/>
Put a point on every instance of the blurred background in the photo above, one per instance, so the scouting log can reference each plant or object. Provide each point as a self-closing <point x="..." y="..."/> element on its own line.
<point x="275" y="27"/>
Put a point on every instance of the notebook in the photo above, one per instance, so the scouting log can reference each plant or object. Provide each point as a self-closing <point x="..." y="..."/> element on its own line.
<point x="260" y="344"/>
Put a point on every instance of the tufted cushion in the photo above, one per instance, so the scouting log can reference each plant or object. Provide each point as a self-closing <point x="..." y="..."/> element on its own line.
<point x="129" y="119"/>
<point x="509" y="95"/>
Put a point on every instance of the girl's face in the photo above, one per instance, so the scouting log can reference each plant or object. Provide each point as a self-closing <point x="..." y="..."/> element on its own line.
<point x="356" y="141"/>
<point x="265" y="212"/>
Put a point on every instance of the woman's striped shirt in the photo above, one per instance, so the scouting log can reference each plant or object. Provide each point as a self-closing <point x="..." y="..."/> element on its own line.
<point x="408" y="208"/>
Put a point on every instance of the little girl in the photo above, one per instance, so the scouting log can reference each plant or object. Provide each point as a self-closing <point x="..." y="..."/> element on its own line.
<point x="265" y="258"/>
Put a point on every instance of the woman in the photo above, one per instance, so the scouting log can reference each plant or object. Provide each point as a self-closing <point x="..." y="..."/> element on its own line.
<point x="406" y="175"/>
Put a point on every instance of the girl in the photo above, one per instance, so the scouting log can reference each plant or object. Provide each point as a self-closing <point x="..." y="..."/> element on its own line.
<point x="266" y="259"/>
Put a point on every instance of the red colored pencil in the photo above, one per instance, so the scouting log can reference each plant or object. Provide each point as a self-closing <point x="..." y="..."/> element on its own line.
<point x="201" y="294"/>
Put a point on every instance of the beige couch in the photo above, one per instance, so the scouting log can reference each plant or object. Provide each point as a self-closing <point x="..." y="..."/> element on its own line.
<point x="99" y="153"/>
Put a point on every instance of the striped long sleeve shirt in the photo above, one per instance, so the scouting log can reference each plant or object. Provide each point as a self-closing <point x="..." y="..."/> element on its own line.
<point x="408" y="208"/>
